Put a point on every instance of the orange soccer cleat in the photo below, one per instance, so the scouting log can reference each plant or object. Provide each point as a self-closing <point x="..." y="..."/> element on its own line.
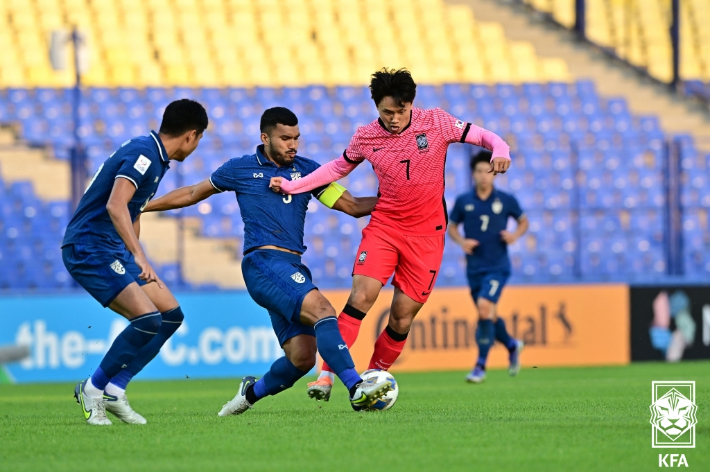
<point x="320" y="389"/>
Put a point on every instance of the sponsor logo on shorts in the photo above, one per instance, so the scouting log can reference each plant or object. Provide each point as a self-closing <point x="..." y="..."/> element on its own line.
<point x="422" y="142"/>
<point x="342" y="346"/>
<point x="118" y="267"/>
<point x="361" y="258"/>
<point x="298" y="277"/>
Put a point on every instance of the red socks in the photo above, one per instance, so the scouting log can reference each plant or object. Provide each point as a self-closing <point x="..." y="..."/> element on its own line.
<point x="349" y="323"/>
<point x="388" y="347"/>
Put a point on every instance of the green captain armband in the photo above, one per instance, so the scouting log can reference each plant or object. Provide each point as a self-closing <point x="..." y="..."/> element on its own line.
<point x="331" y="194"/>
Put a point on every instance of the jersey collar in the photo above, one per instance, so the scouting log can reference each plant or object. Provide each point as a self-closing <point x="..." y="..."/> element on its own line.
<point x="494" y="193"/>
<point x="260" y="157"/>
<point x="161" y="148"/>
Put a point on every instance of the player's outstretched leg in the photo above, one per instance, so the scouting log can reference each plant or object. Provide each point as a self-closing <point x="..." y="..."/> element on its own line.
<point x="299" y="360"/>
<point x="140" y="331"/>
<point x="363" y="295"/>
<point x="514" y="346"/>
<point x="316" y="310"/>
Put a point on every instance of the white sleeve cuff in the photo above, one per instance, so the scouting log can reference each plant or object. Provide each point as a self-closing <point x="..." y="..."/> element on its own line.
<point x="127" y="178"/>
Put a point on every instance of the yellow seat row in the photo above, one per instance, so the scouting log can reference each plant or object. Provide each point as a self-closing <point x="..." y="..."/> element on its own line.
<point x="263" y="42"/>
<point x="638" y="31"/>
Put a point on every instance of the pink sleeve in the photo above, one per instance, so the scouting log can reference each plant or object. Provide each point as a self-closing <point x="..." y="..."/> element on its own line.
<point x="489" y="140"/>
<point x="325" y="174"/>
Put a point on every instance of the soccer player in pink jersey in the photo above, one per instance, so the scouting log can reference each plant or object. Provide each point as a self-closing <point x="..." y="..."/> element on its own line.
<point x="407" y="149"/>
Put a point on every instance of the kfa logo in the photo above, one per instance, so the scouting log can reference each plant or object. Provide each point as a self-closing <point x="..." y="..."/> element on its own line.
<point x="298" y="278"/>
<point x="361" y="258"/>
<point x="422" y="142"/>
<point x="118" y="267"/>
<point x="673" y="414"/>
<point x="672" y="460"/>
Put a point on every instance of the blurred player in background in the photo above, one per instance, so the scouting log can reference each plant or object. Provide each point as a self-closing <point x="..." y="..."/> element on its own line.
<point x="405" y="237"/>
<point x="484" y="213"/>
<point x="102" y="253"/>
<point x="276" y="279"/>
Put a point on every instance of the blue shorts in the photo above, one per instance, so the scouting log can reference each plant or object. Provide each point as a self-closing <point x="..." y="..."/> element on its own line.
<point x="279" y="282"/>
<point x="103" y="274"/>
<point x="488" y="285"/>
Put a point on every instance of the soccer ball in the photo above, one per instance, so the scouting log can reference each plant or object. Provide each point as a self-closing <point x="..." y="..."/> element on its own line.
<point x="376" y="376"/>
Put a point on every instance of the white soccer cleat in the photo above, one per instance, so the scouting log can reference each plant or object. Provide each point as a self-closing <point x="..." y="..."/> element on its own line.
<point x="94" y="408"/>
<point x="119" y="406"/>
<point x="367" y="393"/>
<point x="477" y="375"/>
<point x="514" y="359"/>
<point x="239" y="403"/>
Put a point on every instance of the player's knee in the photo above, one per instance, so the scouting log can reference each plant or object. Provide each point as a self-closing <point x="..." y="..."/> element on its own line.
<point x="318" y="309"/>
<point x="361" y="299"/>
<point x="149" y="323"/>
<point x="485" y="309"/>
<point x="304" y="359"/>
<point x="401" y="322"/>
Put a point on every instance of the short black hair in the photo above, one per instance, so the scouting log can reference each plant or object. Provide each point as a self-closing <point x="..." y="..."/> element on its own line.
<point x="395" y="83"/>
<point x="275" y="116"/>
<point x="481" y="156"/>
<point x="182" y="116"/>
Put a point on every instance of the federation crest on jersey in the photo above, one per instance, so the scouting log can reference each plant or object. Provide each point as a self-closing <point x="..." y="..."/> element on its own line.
<point x="361" y="258"/>
<point x="497" y="207"/>
<point x="469" y="207"/>
<point x="118" y="267"/>
<point x="298" y="277"/>
<point x="422" y="142"/>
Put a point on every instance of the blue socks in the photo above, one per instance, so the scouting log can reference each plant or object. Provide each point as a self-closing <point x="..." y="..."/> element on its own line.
<point x="282" y="375"/>
<point x="335" y="352"/>
<point x="171" y="321"/>
<point x="503" y="336"/>
<point x="125" y="348"/>
<point x="485" y="337"/>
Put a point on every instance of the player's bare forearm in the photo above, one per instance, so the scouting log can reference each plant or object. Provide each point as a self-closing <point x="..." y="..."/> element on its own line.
<point x="355" y="206"/>
<point x="117" y="208"/>
<point x="523" y="225"/>
<point x="182" y="197"/>
<point x="137" y="227"/>
<point x="455" y="234"/>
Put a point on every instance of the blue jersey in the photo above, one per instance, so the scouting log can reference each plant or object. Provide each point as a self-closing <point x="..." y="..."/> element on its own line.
<point x="483" y="220"/>
<point x="143" y="161"/>
<point x="269" y="218"/>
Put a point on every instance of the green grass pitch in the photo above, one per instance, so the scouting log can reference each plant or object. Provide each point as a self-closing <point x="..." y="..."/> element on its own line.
<point x="579" y="419"/>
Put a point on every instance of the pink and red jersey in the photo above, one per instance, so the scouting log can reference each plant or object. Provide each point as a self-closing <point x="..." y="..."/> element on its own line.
<point x="410" y="168"/>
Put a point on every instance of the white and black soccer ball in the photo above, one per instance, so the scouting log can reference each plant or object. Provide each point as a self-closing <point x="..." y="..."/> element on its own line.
<point x="376" y="376"/>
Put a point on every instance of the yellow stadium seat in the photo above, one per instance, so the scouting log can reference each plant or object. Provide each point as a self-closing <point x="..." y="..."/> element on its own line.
<point x="554" y="70"/>
<point x="12" y="76"/>
<point x="123" y="74"/>
<point x="149" y="75"/>
<point x="177" y="75"/>
<point x="206" y="75"/>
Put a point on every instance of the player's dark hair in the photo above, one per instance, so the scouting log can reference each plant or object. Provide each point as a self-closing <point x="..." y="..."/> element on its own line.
<point x="395" y="83"/>
<point x="275" y="116"/>
<point x="182" y="116"/>
<point x="481" y="156"/>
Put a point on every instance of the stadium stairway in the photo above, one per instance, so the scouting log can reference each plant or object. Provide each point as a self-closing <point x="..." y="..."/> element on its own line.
<point x="208" y="261"/>
<point x="644" y="97"/>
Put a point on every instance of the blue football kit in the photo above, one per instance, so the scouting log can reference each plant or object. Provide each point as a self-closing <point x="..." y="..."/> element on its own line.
<point x="276" y="280"/>
<point x="488" y="268"/>
<point x="93" y="252"/>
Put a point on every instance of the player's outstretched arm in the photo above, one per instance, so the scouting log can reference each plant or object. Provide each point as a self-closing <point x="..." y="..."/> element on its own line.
<point x="117" y="208"/>
<point x="500" y="161"/>
<point x="182" y="197"/>
<point x="355" y="206"/>
<point x="325" y="174"/>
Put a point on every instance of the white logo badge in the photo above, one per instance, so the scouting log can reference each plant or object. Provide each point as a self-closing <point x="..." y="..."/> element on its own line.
<point x="142" y="164"/>
<point x="459" y="124"/>
<point x="469" y="207"/>
<point x="673" y="414"/>
<point x="118" y="267"/>
<point x="258" y="175"/>
<point x="156" y="180"/>
<point x="295" y="175"/>
<point x="298" y="277"/>
<point x="497" y="207"/>
<point x="362" y="257"/>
